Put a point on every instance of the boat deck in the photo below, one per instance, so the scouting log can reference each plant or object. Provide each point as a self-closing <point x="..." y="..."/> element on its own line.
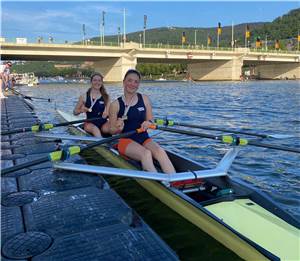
<point x="57" y="215"/>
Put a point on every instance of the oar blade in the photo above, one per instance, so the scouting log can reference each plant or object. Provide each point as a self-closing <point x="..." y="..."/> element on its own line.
<point x="280" y="136"/>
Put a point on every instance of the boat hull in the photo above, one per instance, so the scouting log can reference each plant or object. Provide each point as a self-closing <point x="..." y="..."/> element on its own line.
<point x="248" y="223"/>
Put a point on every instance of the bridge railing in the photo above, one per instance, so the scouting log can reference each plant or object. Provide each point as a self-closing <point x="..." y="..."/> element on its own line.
<point x="166" y="46"/>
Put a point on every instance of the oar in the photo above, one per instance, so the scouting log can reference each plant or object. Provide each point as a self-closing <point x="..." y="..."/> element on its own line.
<point x="65" y="153"/>
<point x="45" y="126"/>
<point x="31" y="97"/>
<point x="38" y="98"/>
<point x="231" y="139"/>
<point x="172" y="123"/>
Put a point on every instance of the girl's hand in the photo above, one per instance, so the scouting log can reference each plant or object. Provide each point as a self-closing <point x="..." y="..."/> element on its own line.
<point x="104" y="115"/>
<point x="84" y="109"/>
<point x="119" y="124"/>
<point x="146" y="124"/>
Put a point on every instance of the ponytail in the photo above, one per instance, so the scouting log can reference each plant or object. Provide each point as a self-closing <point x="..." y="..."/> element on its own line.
<point x="104" y="94"/>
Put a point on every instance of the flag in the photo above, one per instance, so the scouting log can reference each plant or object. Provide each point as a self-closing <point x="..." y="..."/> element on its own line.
<point x="219" y="28"/>
<point x="277" y="46"/>
<point x="208" y="40"/>
<point x="247" y="32"/>
<point x="103" y="21"/>
<point x="183" y="38"/>
<point x="258" y="43"/>
<point x="145" y="21"/>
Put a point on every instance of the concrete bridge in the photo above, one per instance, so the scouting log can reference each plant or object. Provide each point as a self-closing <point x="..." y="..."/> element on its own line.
<point x="203" y="64"/>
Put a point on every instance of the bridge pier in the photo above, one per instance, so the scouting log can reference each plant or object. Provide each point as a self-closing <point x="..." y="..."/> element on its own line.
<point x="278" y="71"/>
<point x="222" y="70"/>
<point x="114" y="69"/>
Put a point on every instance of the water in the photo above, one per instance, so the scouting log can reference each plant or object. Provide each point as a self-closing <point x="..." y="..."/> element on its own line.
<point x="271" y="107"/>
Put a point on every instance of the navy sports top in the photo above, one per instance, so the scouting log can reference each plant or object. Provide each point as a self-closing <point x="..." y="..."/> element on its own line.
<point x="135" y="117"/>
<point x="97" y="109"/>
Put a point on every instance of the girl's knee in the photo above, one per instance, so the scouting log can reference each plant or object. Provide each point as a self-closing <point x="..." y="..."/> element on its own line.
<point x="147" y="155"/>
<point x="160" y="153"/>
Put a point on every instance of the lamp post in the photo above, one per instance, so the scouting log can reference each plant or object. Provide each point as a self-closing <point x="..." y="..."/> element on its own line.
<point x="140" y="35"/>
<point x="266" y="43"/>
<point x="103" y="23"/>
<point x="145" y="25"/>
<point x="124" y="26"/>
<point x="232" y="36"/>
<point x="100" y="30"/>
<point x="119" y="32"/>
<point x="83" y="33"/>
<point x="195" y="38"/>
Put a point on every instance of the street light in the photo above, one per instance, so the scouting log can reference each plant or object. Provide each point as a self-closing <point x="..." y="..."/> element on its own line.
<point x="140" y="35"/>
<point x="119" y="33"/>
<point x="145" y="25"/>
<point x="103" y="23"/>
<point x="83" y="33"/>
<point x="124" y="26"/>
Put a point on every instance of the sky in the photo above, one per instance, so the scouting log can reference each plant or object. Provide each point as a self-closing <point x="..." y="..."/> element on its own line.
<point x="63" y="20"/>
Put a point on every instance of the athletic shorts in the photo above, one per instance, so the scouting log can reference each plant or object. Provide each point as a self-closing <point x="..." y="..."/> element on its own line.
<point x="124" y="142"/>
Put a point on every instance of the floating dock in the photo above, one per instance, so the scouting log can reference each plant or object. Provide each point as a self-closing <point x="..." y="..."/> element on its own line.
<point x="48" y="214"/>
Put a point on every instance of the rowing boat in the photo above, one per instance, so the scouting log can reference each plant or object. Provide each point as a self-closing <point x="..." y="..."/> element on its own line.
<point x="236" y="214"/>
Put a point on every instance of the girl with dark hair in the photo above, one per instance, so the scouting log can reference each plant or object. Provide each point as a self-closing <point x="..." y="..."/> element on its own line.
<point x="130" y="112"/>
<point x="95" y="103"/>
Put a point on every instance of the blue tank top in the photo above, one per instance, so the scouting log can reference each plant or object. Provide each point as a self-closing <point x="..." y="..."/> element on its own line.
<point x="97" y="110"/>
<point x="135" y="117"/>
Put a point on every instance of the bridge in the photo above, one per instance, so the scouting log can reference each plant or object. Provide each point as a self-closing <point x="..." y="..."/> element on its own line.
<point x="202" y="63"/>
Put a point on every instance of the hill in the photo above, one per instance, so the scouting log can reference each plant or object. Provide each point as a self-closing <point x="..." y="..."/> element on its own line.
<point x="283" y="28"/>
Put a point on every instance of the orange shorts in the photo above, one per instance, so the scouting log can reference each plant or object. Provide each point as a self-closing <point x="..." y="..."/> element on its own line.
<point x="124" y="142"/>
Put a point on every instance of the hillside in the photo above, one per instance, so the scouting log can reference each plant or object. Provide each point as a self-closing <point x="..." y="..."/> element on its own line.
<point x="172" y="35"/>
<point x="282" y="28"/>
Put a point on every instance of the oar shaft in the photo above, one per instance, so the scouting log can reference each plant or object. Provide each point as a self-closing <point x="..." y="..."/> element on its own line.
<point x="46" y="126"/>
<point x="70" y="151"/>
<point x="74" y="122"/>
<point x="244" y="132"/>
<point x="24" y="165"/>
<point x="108" y="140"/>
<point x="31" y="97"/>
<point x="38" y="98"/>
<point x="273" y="146"/>
<point x="16" y="131"/>
<point x="221" y="129"/>
<point x="190" y="133"/>
<point x="221" y="138"/>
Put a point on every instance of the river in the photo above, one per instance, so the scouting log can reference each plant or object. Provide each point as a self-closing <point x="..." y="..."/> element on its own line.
<point x="271" y="107"/>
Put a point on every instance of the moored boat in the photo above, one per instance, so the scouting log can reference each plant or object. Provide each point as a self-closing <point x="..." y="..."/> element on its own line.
<point x="239" y="216"/>
<point x="28" y="79"/>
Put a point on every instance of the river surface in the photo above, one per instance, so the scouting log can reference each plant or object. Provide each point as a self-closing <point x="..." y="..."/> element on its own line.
<point x="270" y="107"/>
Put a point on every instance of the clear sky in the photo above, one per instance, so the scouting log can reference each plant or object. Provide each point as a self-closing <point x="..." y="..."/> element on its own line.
<point x="63" y="20"/>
